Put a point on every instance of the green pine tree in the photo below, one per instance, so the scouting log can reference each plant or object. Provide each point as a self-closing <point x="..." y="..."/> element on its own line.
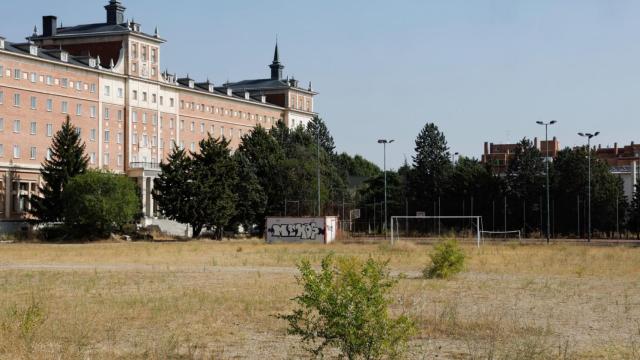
<point x="67" y="160"/>
<point x="432" y="164"/>
<point x="326" y="140"/>
<point x="252" y="199"/>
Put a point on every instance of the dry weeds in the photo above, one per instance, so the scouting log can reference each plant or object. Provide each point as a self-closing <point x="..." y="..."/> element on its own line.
<point x="201" y="300"/>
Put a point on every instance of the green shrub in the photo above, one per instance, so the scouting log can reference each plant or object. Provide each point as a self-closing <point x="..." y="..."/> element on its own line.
<point x="345" y="306"/>
<point x="447" y="259"/>
<point x="97" y="203"/>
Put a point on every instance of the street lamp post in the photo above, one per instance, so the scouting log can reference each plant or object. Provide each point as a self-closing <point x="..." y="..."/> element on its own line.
<point x="589" y="136"/>
<point x="384" y="142"/>
<point x="546" y="141"/>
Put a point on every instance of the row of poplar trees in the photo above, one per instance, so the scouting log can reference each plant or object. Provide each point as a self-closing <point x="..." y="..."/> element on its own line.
<point x="515" y="200"/>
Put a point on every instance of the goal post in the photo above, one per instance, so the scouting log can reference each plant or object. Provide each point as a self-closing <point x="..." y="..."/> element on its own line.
<point x="509" y="234"/>
<point x="476" y="223"/>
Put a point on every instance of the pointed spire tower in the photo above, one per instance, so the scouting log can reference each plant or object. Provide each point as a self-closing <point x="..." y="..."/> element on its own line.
<point x="276" y="66"/>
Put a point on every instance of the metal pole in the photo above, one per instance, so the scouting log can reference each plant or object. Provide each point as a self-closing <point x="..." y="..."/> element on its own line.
<point x="385" y="189"/>
<point x="546" y="137"/>
<point x="318" y="163"/>
<point x="578" y="209"/>
<point x="589" y="157"/>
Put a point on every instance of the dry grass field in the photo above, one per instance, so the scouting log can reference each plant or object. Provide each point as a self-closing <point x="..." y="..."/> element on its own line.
<point x="217" y="300"/>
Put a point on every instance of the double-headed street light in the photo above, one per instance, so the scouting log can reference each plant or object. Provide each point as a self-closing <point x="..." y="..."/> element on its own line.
<point x="384" y="142"/>
<point x="589" y="136"/>
<point x="546" y="141"/>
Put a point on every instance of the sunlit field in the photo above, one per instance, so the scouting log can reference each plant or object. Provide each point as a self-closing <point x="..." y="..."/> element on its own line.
<point x="207" y="299"/>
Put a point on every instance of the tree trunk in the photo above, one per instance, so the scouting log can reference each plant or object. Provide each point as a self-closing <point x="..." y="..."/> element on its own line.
<point x="197" y="228"/>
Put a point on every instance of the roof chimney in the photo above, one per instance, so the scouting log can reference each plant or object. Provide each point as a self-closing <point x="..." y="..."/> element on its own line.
<point x="486" y="148"/>
<point x="115" y="12"/>
<point x="615" y="148"/>
<point x="49" y="25"/>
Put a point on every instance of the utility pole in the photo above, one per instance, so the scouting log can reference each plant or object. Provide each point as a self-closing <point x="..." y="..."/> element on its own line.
<point x="589" y="137"/>
<point x="546" y="138"/>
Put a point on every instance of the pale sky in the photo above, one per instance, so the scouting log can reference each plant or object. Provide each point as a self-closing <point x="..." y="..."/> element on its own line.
<point x="481" y="70"/>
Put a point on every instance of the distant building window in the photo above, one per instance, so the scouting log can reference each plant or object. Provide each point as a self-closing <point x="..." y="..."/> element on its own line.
<point x="171" y="102"/>
<point x="106" y="113"/>
<point x="33" y="153"/>
<point x="202" y="128"/>
<point x="92" y="158"/>
<point x="78" y="109"/>
<point x="1" y="150"/>
<point x="106" y="158"/>
<point x="92" y="135"/>
<point x="134" y="51"/>
<point x="119" y="160"/>
<point x="16" y="126"/>
<point x="64" y="82"/>
<point x="193" y="126"/>
<point x="16" y="100"/>
<point x="119" y="138"/>
<point x="49" y="130"/>
<point x="34" y="102"/>
<point x="154" y="98"/>
<point x="120" y="93"/>
<point x="153" y="56"/>
<point x="1" y="124"/>
<point x="16" y="151"/>
<point x="92" y="89"/>
<point x="107" y="136"/>
<point x="134" y="139"/>
<point x="144" y="96"/>
<point x="33" y="128"/>
<point x="107" y="90"/>
<point x="92" y="111"/>
<point x="78" y="85"/>
<point x="134" y="116"/>
<point x="161" y="100"/>
<point x="119" y="115"/>
<point x="33" y="77"/>
<point x="135" y="95"/>
<point x="1" y="97"/>
<point x="144" y="117"/>
<point x="192" y="147"/>
<point x="17" y="74"/>
<point x="155" y="119"/>
<point x="49" y="80"/>
<point x="65" y="107"/>
<point x="49" y="105"/>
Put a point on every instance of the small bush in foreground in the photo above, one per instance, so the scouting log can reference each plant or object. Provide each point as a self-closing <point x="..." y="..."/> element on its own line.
<point x="447" y="259"/>
<point x="345" y="306"/>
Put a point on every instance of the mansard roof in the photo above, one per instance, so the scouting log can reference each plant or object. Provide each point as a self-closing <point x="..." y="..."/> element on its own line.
<point x="265" y="85"/>
<point x="98" y="29"/>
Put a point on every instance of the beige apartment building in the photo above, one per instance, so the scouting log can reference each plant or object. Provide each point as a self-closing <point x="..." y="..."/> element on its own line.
<point x="107" y="78"/>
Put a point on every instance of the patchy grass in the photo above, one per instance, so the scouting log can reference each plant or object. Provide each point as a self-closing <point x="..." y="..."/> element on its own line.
<point x="210" y="299"/>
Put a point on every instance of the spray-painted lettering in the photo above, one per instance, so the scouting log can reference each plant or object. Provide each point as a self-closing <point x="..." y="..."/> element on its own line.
<point x="308" y="231"/>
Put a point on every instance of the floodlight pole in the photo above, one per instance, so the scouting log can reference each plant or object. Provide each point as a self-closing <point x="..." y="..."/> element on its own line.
<point x="589" y="136"/>
<point x="546" y="141"/>
<point x="384" y="143"/>
<point x="318" y="163"/>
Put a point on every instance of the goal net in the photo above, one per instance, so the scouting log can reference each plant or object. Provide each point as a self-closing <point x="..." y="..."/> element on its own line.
<point x="426" y="228"/>
<point x="502" y="235"/>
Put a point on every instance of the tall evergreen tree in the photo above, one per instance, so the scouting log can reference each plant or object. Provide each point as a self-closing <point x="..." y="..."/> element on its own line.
<point x="252" y="200"/>
<point x="326" y="140"/>
<point x="432" y="164"/>
<point x="174" y="191"/>
<point x="66" y="161"/>
<point x="215" y="178"/>
<point x="633" y="223"/>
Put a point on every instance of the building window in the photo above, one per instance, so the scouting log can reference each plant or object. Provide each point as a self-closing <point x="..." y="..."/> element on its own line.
<point x="92" y="135"/>
<point x="135" y="139"/>
<point x="107" y="90"/>
<point x="134" y="51"/>
<point x="78" y="85"/>
<point x="119" y="115"/>
<point x="221" y="131"/>
<point x="92" y="158"/>
<point x="144" y="117"/>
<point x="107" y="136"/>
<point x="171" y="123"/>
<point x="171" y="102"/>
<point x="33" y="128"/>
<point x="92" y="88"/>
<point x="33" y="153"/>
<point x="154" y="140"/>
<point x="64" y="82"/>
<point x="133" y="67"/>
<point x="106" y="158"/>
<point x="16" y="100"/>
<point x="48" y="153"/>
<point x="34" y="77"/>
<point x="78" y="109"/>
<point x="1" y="150"/>
<point x="49" y="105"/>
<point x="16" y="126"/>
<point x="202" y="128"/>
<point x="145" y="140"/>
<point x="143" y="49"/>
<point x="79" y="131"/>
<point x="92" y="111"/>
<point x="106" y="113"/>
<point x="119" y="138"/>
<point x="144" y="96"/>
<point x="1" y="124"/>
<point x="120" y="93"/>
<point x="119" y="160"/>
<point x="16" y="151"/>
<point x="192" y="147"/>
<point x="1" y="71"/>
<point x="49" y="80"/>
<point x="181" y="124"/>
<point x="192" y="127"/>
<point x="34" y="102"/>
<point x="155" y="119"/>
<point x="65" y="107"/>
<point x="135" y="94"/>
<point x="17" y="74"/>
<point x="49" y="130"/>
<point x="161" y="100"/>
<point x="1" y="97"/>
<point x="154" y="98"/>
<point x="134" y="116"/>
<point x="153" y="56"/>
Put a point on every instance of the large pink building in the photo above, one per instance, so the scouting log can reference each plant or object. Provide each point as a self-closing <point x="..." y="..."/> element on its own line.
<point x="107" y="78"/>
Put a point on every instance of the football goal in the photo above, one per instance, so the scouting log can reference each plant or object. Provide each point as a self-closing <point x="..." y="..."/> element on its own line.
<point x="432" y="227"/>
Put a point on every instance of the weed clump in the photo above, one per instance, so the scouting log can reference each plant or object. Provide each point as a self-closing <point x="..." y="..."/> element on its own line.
<point x="447" y="259"/>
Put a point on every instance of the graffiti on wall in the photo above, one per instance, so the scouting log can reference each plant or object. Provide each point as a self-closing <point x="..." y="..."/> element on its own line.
<point x="296" y="231"/>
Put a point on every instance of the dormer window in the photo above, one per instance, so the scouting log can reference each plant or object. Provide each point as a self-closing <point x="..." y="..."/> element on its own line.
<point x="211" y="89"/>
<point x="33" y="50"/>
<point x="64" y="56"/>
<point x="92" y="62"/>
<point x="229" y="92"/>
<point x="246" y="95"/>
<point x="192" y="84"/>
<point x="1" y="43"/>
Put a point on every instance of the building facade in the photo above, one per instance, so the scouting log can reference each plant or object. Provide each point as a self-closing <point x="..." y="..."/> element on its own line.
<point x="107" y="79"/>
